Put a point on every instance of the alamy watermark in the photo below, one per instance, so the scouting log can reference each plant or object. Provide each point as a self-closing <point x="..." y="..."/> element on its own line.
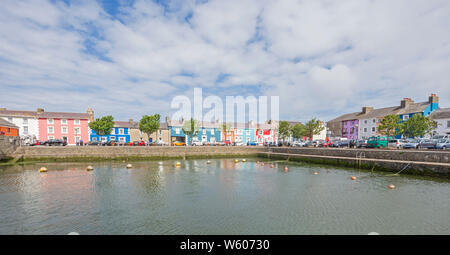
<point x="237" y="109"/>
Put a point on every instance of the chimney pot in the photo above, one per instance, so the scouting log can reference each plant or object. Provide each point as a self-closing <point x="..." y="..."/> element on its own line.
<point x="40" y="110"/>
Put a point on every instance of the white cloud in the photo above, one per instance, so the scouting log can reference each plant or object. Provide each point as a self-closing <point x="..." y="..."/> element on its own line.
<point x="323" y="58"/>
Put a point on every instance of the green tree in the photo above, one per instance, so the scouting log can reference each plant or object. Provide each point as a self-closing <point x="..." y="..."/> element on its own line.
<point x="102" y="126"/>
<point x="298" y="131"/>
<point x="313" y="127"/>
<point x="284" y="130"/>
<point x="190" y="128"/>
<point x="149" y="124"/>
<point x="418" y="126"/>
<point x="390" y="125"/>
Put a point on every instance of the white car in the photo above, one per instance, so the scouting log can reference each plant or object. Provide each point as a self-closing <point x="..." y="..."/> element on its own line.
<point x="239" y="144"/>
<point x="197" y="143"/>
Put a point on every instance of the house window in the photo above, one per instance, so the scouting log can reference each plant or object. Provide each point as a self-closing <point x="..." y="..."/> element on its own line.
<point x="10" y="119"/>
<point x="51" y="137"/>
<point x="121" y="131"/>
<point x="77" y="139"/>
<point x="77" y="130"/>
<point x="25" y="130"/>
<point x="405" y="117"/>
<point x="365" y="130"/>
<point x="373" y="129"/>
<point x="177" y="131"/>
<point x="94" y="138"/>
<point x="122" y="139"/>
<point x="374" y="121"/>
<point x="104" y="139"/>
<point x="8" y="130"/>
<point x="50" y="130"/>
<point x="25" y="121"/>
<point x="248" y="132"/>
<point x="49" y="121"/>
<point x="365" y="121"/>
<point x="112" y="138"/>
<point x="77" y="122"/>
<point x="64" y="121"/>
<point x="448" y="124"/>
<point x="204" y="131"/>
<point x="160" y="132"/>
<point x="64" y="130"/>
<point x="212" y="131"/>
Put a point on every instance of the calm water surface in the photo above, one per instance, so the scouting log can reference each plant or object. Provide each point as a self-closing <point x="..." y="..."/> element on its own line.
<point x="217" y="198"/>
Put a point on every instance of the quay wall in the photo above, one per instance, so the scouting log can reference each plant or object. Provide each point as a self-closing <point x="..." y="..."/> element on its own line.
<point x="7" y="146"/>
<point x="70" y="153"/>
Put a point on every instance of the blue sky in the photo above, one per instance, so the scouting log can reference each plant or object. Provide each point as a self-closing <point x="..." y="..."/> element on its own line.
<point x="129" y="58"/>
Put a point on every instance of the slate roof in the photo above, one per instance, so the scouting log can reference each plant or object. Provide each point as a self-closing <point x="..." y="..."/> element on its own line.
<point x="4" y="123"/>
<point x="443" y="113"/>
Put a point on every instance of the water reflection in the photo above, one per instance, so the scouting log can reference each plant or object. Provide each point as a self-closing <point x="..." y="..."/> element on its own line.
<point x="222" y="197"/>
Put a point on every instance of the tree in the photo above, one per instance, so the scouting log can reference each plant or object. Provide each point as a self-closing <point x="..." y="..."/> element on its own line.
<point x="149" y="124"/>
<point x="390" y="125"/>
<point x="313" y="127"/>
<point x="226" y="127"/>
<point x="190" y="128"/>
<point x="102" y="126"/>
<point x="418" y="126"/>
<point x="284" y="130"/>
<point x="298" y="131"/>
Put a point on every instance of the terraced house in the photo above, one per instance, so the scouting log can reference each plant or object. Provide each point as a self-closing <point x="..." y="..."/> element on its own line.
<point x="364" y="124"/>
<point x="120" y="133"/>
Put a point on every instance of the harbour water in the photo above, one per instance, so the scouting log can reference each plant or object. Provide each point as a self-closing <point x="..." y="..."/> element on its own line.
<point x="220" y="197"/>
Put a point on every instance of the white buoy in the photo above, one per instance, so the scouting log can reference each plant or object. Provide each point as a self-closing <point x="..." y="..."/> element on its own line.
<point x="244" y="160"/>
<point x="43" y="169"/>
<point x="373" y="234"/>
<point x="73" y="234"/>
<point x="129" y="166"/>
<point x="208" y="162"/>
<point x="89" y="168"/>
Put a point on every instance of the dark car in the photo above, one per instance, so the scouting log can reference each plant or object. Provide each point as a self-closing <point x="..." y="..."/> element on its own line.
<point x="55" y="142"/>
<point x="95" y="143"/>
<point x="428" y="144"/>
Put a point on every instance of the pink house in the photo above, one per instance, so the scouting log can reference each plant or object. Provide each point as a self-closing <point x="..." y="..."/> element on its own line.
<point x="71" y="127"/>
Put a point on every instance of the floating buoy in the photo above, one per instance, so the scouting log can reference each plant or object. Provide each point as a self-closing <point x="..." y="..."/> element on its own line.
<point x="391" y="186"/>
<point x="208" y="162"/>
<point x="373" y="234"/>
<point x="89" y="168"/>
<point x="316" y="173"/>
<point x="353" y="177"/>
<point x="262" y="164"/>
<point x="257" y="162"/>
<point x="129" y="166"/>
<point x="123" y="161"/>
<point x="285" y="168"/>
<point x="73" y="234"/>
<point x="43" y="169"/>
<point x="178" y="163"/>
<point x="244" y="160"/>
<point x="271" y="165"/>
<point x="236" y="161"/>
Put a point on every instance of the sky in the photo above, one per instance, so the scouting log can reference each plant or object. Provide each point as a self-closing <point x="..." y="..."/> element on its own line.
<point x="126" y="58"/>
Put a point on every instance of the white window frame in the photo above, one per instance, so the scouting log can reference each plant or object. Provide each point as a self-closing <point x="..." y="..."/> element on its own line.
<point x="405" y="117"/>
<point x="25" y="120"/>
<point x="104" y="139"/>
<point x="52" y="130"/>
<point x="50" y="121"/>
<point x="50" y="137"/>
<point x="112" y="138"/>
<point x="77" y="139"/>
<point x="25" y="132"/>
<point x="177" y="131"/>
<point x="212" y="131"/>
<point x="94" y="138"/>
<point x="121" y="131"/>
<point x="64" y="121"/>
<point x="77" y="130"/>
<point x="122" y="139"/>
<point x="76" y="122"/>
<point x="62" y="130"/>
<point x="248" y="132"/>
<point x="204" y="131"/>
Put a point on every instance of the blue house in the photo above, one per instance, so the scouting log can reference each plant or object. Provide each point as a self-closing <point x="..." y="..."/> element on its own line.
<point x="208" y="132"/>
<point x="408" y="108"/>
<point x="120" y="133"/>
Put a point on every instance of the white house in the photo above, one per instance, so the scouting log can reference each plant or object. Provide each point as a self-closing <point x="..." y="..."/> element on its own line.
<point x="442" y="117"/>
<point x="27" y="122"/>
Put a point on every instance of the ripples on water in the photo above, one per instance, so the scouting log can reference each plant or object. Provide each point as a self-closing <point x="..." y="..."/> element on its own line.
<point x="217" y="198"/>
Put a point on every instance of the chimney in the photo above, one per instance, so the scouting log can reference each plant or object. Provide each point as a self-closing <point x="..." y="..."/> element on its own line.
<point x="367" y="109"/>
<point x="167" y="119"/>
<point x="433" y="99"/>
<point x="131" y="121"/>
<point x="91" y="114"/>
<point x="40" y="110"/>
<point x="406" y="102"/>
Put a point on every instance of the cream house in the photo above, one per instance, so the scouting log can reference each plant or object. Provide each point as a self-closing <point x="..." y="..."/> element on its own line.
<point x="162" y="135"/>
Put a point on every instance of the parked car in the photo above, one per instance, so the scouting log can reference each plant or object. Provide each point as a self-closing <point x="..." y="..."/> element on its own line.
<point x="139" y="143"/>
<point x="56" y="142"/>
<point x="361" y="144"/>
<point x="37" y="143"/>
<point x="197" y="143"/>
<point x="178" y="143"/>
<point x="396" y="143"/>
<point x="427" y="144"/>
<point x="440" y="137"/>
<point x="443" y="144"/>
<point x="377" y="142"/>
<point x="227" y="142"/>
<point x="95" y="143"/>
<point x="411" y="144"/>
<point x="252" y="143"/>
<point x="239" y="144"/>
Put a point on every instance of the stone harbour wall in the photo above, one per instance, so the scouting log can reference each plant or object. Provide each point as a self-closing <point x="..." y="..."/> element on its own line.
<point x="8" y="145"/>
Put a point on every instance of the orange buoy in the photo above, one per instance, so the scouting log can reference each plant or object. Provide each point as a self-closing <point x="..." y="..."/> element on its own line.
<point x="316" y="173"/>
<point x="353" y="177"/>
<point x="271" y="165"/>
<point x="391" y="186"/>
<point x="262" y="164"/>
